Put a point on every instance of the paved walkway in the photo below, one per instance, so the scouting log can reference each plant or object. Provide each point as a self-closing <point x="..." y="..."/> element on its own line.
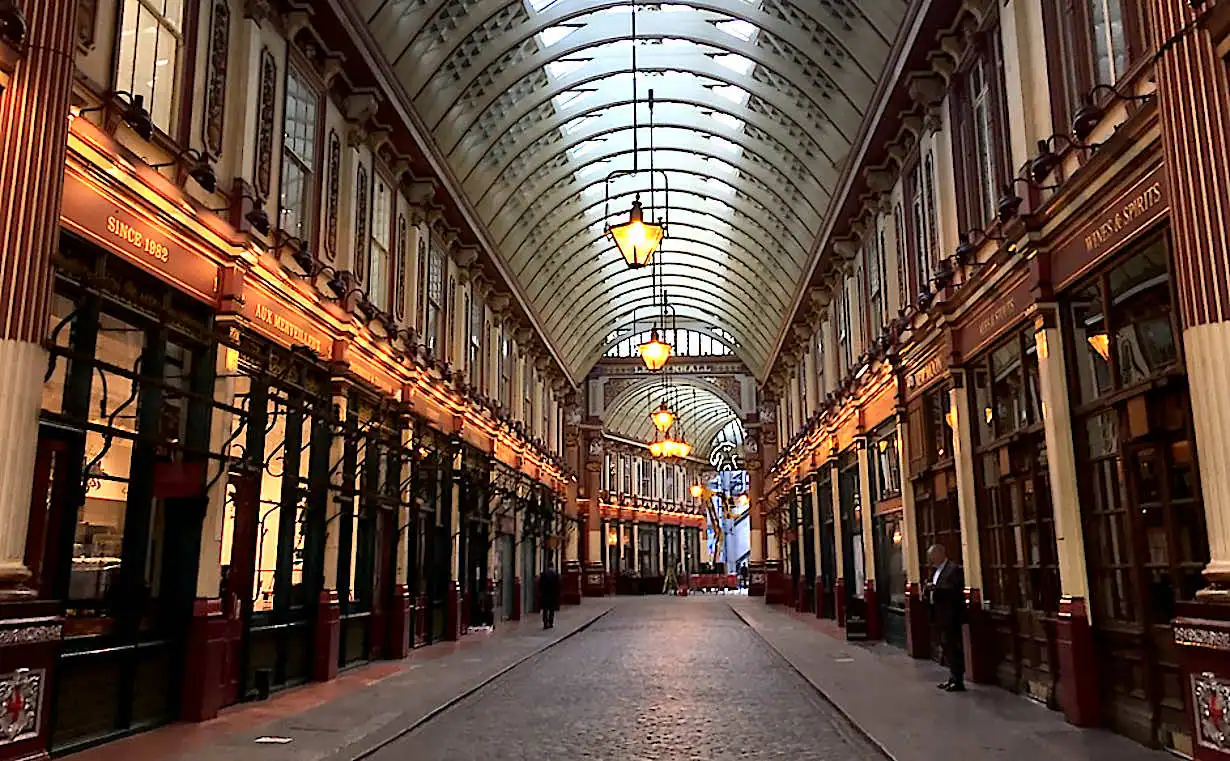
<point x="362" y="708"/>
<point x="659" y="679"/>
<point x="893" y="699"/>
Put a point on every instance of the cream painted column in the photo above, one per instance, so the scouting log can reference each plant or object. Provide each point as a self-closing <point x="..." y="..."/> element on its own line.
<point x="1026" y="85"/>
<point x="454" y="522"/>
<point x="403" y="518"/>
<point x="963" y="449"/>
<point x="333" y="509"/>
<point x="909" y="538"/>
<point x="661" y="552"/>
<point x="835" y="504"/>
<point x="1061" y="457"/>
<point x="817" y="521"/>
<point x="1195" y="117"/>
<point x="636" y="545"/>
<point x="754" y="448"/>
<point x="866" y="508"/>
<point x="221" y="426"/>
<point x="33" y="140"/>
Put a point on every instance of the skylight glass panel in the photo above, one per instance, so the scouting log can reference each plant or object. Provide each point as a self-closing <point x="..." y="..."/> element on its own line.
<point x="723" y="143"/>
<point x="556" y="33"/>
<point x="737" y="28"/>
<point x="542" y="5"/>
<point x="565" y="66"/>
<point x="726" y="120"/>
<point x="736" y="63"/>
<point x="731" y="93"/>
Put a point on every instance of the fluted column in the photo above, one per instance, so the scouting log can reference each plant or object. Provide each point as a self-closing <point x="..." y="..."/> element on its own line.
<point x="963" y="457"/>
<point x="1195" y="118"/>
<point x="33" y="136"/>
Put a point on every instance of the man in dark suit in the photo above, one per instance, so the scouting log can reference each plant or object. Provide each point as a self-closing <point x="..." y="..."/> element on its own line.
<point x="548" y="595"/>
<point x="945" y="591"/>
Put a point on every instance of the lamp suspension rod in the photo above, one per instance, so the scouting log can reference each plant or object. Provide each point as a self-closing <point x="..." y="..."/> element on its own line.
<point x="635" y="122"/>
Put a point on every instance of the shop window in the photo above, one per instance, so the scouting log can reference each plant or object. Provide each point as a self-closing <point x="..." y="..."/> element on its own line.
<point x="382" y="227"/>
<point x="300" y="116"/>
<point x="147" y="62"/>
<point x="1099" y="40"/>
<point x="890" y="559"/>
<point x="887" y="465"/>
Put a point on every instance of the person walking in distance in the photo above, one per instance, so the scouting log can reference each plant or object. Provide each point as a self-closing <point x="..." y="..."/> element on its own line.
<point x="548" y="595"/>
<point x="945" y="593"/>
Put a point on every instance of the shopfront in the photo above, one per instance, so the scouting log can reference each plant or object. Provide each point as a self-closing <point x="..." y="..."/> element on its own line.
<point x="854" y="570"/>
<point x="888" y="528"/>
<point x="1016" y="527"/>
<point x="807" y="533"/>
<point x="475" y="538"/>
<point x="430" y="544"/>
<point x="828" y="542"/>
<point x="1141" y="509"/>
<point x="932" y="466"/>
<point x="123" y="457"/>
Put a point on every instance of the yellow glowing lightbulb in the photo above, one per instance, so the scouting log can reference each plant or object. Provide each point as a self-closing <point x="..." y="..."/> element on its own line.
<point x="663" y="418"/>
<point x="697" y="491"/>
<point x="637" y="239"/>
<point x="655" y="448"/>
<point x="654" y="352"/>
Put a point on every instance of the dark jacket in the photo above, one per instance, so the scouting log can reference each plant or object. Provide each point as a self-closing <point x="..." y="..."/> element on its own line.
<point x="947" y="596"/>
<point x="548" y="590"/>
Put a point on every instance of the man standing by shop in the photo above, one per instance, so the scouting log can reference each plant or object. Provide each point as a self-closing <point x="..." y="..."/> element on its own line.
<point x="548" y="595"/>
<point x="946" y="594"/>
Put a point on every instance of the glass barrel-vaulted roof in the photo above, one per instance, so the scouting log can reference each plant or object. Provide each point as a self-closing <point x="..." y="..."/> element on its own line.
<point x="757" y="102"/>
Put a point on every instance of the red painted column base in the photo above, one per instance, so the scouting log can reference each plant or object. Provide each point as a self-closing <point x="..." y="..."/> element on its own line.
<point x="978" y="647"/>
<point x="800" y="597"/>
<point x="535" y="603"/>
<point x="917" y="623"/>
<point x="819" y="601"/>
<point x="594" y="582"/>
<point x="756" y="580"/>
<point x="839" y="601"/>
<point x="570" y="584"/>
<point x="34" y="630"/>
<point x="872" y="603"/>
<point x="516" y="611"/>
<point x="1202" y="640"/>
<point x="464" y="605"/>
<point x="206" y="672"/>
<point x="774" y="585"/>
<point x="1079" y="695"/>
<point x="328" y="636"/>
<point x="401" y="624"/>
<point x="452" y="613"/>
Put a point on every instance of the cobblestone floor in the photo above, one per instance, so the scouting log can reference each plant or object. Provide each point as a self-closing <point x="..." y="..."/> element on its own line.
<point x="667" y="679"/>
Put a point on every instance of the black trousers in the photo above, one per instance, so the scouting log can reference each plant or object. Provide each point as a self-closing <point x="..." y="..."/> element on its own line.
<point x="548" y="618"/>
<point x="954" y="650"/>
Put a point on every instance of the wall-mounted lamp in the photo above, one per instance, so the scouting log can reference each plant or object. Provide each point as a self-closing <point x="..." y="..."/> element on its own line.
<point x="134" y="113"/>
<point x="200" y="169"/>
<point x="13" y="25"/>
<point x="1090" y="114"/>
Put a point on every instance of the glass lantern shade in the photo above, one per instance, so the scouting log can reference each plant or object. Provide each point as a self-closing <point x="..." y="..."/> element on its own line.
<point x="697" y="491"/>
<point x="655" y="448"/>
<point x="655" y="352"/>
<point x="662" y="418"/>
<point x="636" y="239"/>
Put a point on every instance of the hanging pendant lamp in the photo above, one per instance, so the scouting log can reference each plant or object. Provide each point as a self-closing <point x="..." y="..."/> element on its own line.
<point x="655" y="352"/>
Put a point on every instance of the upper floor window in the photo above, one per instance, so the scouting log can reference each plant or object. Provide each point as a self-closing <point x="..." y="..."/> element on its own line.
<point x="926" y="234"/>
<point x="903" y="283"/>
<point x="298" y="155"/>
<point x="887" y="478"/>
<point x="450" y="313"/>
<point x="527" y="394"/>
<point x="148" y="58"/>
<point x="433" y="322"/>
<point x="844" y="339"/>
<point x="505" y="372"/>
<point x="820" y="385"/>
<point x="875" y="283"/>
<point x="981" y="135"/>
<point x="477" y="319"/>
<point x="382" y="226"/>
<point x="646" y="482"/>
<point x="1098" y="40"/>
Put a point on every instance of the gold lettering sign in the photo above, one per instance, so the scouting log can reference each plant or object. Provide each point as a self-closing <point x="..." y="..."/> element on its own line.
<point x="138" y="240"/>
<point x="296" y="334"/>
<point x="993" y="320"/>
<point x="1124" y="218"/>
<point x="926" y="373"/>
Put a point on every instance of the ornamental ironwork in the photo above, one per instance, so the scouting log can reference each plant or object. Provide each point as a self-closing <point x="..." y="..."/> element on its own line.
<point x="215" y="87"/>
<point x="331" y="195"/>
<point x="1211" y="702"/>
<point x="1215" y="639"/>
<point x="21" y="702"/>
<point x="264" y="120"/>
